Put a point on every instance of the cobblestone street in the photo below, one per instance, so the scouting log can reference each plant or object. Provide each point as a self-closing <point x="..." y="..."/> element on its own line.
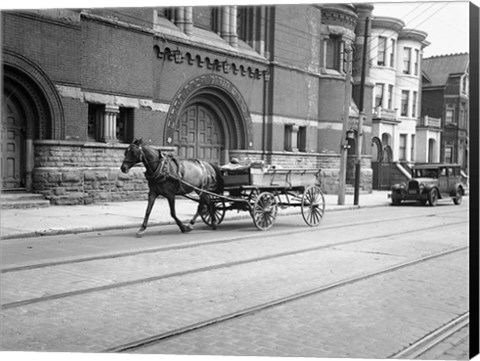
<point x="187" y="280"/>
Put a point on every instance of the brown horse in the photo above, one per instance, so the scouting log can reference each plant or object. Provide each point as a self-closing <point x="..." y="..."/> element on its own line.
<point x="170" y="176"/>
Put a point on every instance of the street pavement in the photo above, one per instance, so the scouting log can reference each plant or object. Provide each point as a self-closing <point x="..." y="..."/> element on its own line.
<point x="53" y="220"/>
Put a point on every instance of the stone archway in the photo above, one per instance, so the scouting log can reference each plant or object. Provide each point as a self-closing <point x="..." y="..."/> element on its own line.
<point x="33" y="111"/>
<point x="215" y="102"/>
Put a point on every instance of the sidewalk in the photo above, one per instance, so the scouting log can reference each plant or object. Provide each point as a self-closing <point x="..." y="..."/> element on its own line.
<point x="55" y="220"/>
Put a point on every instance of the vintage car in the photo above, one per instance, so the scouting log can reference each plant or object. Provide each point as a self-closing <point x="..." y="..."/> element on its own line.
<point x="430" y="182"/>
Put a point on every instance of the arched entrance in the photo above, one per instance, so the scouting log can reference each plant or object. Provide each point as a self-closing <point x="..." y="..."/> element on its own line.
<point x="207" y="118"/>
<point x="32" y="110"/>
<point x="381" y="164"/>
<point x="377" y="155"/>
<point x="385" y="171"/>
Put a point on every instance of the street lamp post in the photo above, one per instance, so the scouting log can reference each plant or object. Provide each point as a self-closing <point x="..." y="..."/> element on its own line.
<point x="358" y="159"/>
<point x="343" y="139"/>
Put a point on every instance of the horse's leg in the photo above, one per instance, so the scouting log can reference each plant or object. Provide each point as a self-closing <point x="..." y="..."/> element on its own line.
<point x="183" y="228"/>
<point x="152" y="196"/>
<point x="201" y="202"/>
<point x="205" y="201"/>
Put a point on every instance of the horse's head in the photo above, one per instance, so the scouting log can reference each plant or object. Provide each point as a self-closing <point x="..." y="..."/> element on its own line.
<point x="133" y="155"/>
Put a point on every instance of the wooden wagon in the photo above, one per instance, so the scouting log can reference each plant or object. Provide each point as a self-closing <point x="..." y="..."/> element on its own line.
<point x="261" y="191"/>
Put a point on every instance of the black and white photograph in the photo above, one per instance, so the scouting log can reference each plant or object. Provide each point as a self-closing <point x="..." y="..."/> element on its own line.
<point x="239" y="179"/>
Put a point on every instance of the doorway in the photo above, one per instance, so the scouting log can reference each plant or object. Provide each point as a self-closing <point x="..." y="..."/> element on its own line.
<point x="13" y="145"/>
<point x="199" y="134"/>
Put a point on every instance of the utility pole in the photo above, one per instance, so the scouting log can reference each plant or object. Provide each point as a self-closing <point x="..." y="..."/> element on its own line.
<point x="343" y="140"/>
<point x="358" y="159"/>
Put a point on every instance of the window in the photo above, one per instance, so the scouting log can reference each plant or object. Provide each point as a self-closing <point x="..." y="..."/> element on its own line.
<point x="382" y="51"/>
<point x="404" y="110"/>
<point x="302" y="139"/>
<point x="95" y="118"/>
<point x="449" y="116"/>
<point x="203" y="17"/>
<point x="378" y="95"/>
<point x="288" y="137"/>
<point x="124" y="131"/>
<point x="414" y="105"/>
<point x="167" y="13"/>
<point x="403" y="147"/>
<point x="412" y="148"/>
<point x="333" y="52"/>
<point x="246" y="25"/>
<point x="417" y="61"/>
<point x="448" y="154"/>
<point x="392" y="54"/>
<point x="464" y="84"/>
<point x="407" y="59"/>
<point x="390" y="96"/>
<point x="463" y="117"/>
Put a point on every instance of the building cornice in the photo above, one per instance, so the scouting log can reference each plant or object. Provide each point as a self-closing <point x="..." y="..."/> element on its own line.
<point x="384" y="22"/>
<point x="339" y="15"/>
<point x="413" y="34"/>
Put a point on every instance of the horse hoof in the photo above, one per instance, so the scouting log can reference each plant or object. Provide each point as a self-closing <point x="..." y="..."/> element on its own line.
<point x="187" y="228"/>
<point x="140" y="233"/>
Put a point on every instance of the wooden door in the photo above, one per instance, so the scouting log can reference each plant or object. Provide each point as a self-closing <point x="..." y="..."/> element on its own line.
<point x="13" y="140"/>
<point x="199" y="135"/>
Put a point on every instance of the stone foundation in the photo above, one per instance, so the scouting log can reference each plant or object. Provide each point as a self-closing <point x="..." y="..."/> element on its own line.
<point x="69" y="173"/>
<point x="83" y="173"/>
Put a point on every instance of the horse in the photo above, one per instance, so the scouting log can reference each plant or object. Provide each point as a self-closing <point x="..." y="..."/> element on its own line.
<point x="169" y="176"/>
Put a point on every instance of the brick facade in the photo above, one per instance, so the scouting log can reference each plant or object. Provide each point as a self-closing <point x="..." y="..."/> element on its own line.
<point x="119" y="59"/>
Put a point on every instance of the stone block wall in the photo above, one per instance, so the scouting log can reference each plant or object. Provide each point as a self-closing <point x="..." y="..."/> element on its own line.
<point x="69" y="173"/>
<point x="328" y="163"/>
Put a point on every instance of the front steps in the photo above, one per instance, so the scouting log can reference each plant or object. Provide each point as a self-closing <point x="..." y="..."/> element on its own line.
<point x="22" y="199"/>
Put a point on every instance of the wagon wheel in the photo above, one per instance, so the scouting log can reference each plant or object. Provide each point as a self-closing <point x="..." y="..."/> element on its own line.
<point x="213" y="212"/>
<point x="313" y="205"/>
<point x="264" y="211"/>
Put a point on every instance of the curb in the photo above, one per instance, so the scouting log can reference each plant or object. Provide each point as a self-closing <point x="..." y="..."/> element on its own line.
<point x="60" y="232"/>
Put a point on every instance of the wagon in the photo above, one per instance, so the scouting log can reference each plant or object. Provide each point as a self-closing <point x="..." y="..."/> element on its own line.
<point x="262" y="191"/>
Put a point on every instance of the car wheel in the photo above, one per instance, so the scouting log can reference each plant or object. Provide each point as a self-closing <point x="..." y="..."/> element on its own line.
<point x="433" y="197"/>
<point x="458" y="197"/>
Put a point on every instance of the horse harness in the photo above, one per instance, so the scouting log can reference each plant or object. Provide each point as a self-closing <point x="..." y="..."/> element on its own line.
<point x="169" y="168"/>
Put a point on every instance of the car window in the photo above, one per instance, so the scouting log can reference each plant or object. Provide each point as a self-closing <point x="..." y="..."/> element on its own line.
<point x="443" y="171"/>
<point x="432" y="173"/>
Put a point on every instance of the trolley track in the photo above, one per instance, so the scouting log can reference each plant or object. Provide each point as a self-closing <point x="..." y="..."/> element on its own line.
<point x="228" y="239"/>
<point x="209" y="268"/>
<point x="154" y="339"/>
<point x="431" y="340"/>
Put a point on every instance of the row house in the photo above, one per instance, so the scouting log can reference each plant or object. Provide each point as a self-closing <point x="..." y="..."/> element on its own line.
<point x="259" y="82"/>
<point x="445" y="93"/>
<point x="396" y="67"/>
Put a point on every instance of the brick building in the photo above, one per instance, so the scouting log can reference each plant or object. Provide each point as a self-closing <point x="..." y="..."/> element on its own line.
<point x="446" y="97"/>
<point x="264" y="82"/>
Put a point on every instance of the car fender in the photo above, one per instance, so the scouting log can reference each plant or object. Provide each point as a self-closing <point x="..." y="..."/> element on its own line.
<point x="399" y="188"/>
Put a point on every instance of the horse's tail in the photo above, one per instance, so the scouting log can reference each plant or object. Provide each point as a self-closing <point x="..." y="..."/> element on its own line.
<point x="219" y="179"/>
